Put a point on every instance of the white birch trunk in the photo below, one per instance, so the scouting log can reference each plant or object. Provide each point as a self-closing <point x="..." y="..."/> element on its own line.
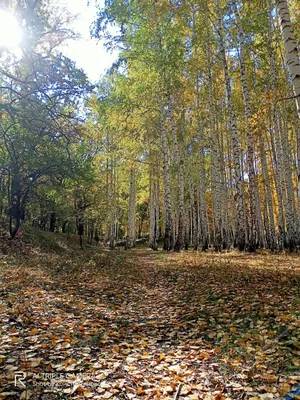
<point x="276" y="149"/>
<point x="215" y="176"/>
<point x="169" y="235"/>
<point x="131" y="232"/>
<point x="241" y="238"/>
<point x="179" y="162"/>
<point x="293" y="64"/>
<point x="270" y="226"/>
<point x="291" y="217"/>
<point x="291" y="48"/>
<point x="254" y="202"/>
<point x="203" y="223"/>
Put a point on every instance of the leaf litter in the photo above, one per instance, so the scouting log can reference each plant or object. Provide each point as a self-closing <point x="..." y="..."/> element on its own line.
<point x="143" y="325"/>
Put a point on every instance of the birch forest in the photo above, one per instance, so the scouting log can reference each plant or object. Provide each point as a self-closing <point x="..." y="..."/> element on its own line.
<point x="149" y="210"/>
<point x="207" y="95"/>
<point x="192" y="136"/>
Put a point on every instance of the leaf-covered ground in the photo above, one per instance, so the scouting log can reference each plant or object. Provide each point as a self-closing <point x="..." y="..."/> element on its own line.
<point x="143" y="325"/>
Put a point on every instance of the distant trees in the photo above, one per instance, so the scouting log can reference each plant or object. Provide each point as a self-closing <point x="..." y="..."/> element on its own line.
<point x="192" y="136"/>
<point x="38" y="129"/>
<point x="210" y="90"/>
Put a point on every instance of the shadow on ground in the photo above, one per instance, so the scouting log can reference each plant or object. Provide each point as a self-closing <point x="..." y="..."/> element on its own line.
<point x="137" y="324"/>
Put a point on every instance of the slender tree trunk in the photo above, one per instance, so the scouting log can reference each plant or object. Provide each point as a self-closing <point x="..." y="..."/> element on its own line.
<point x="152" y="222"/>
<point x="187" y="226"/>
<point x="193" y="218"/>
<point x="293" y="64"/>
<point x="291" y="48"/>
<point x="15" y="209"/>
<point x="215" y="168"/>
<point x="270" y="226"/>
<point x="291" y="217"/>
<point x="242" y="236"/>
<point x="204" y="236"/>
<point x="169" y="235"/>
<point x="107" y="202"/>
<point x="254" y="202"/>
<point x="112" y="231"/>
<point x="179" y="162"/>
<point x="232" y="197"/>
<point x="130" y="239"/>
<point x="224" y="197"/>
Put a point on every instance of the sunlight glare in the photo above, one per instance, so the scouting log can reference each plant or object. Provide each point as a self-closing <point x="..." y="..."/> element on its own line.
<point x="10" y="32"/>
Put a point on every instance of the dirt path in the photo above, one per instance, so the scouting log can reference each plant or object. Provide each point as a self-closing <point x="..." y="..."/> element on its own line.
<point x="141" y="325"/>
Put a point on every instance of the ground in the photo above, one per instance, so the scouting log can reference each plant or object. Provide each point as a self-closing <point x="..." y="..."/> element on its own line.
<point x="139" y="324"/>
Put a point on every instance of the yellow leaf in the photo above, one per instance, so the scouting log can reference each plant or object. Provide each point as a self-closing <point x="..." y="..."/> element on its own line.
<point x="87" y="394"/>
<point x="78" y="388"/>
<point x="269" y="378"/>
<point x="26" y="395"/>
<point x="34" y="331"/>
<point x="284" y="388"/>
<point x="218" y="396"/>
<point x="15" y="340"/>
<point x="116" y="348"/>
<point x="162" y="357"/>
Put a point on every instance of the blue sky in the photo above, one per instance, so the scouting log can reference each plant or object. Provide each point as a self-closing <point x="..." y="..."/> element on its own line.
<point x="88" y="53"/>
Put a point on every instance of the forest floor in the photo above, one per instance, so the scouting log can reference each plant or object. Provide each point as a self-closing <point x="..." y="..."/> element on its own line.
<point x="138" y="324"/>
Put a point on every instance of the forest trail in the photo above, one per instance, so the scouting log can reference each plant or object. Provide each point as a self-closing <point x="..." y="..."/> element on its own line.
<point x="140" y="325"/>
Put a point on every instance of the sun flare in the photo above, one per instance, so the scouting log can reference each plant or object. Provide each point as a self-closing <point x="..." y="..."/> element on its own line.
<point x="10" y="32"/>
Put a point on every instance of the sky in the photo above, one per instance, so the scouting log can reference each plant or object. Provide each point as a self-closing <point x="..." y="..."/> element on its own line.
<point x="88" y="53"/>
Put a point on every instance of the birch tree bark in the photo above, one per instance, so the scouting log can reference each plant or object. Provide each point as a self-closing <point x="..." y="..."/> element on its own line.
<point x="112" y="233"/>
<point x="291" y="48"/>
<point x="168" y="234"/>
<point x="224" y="198"/>
<point x="242" y="236"/>
<point x="291" y="217"/>
<point x="276" y="148"/>
<point x="293" y="63"/>
<point x="270" y="226"/>
<point x="215" y="158"/>
<point x="154" y="206"/>
<point x="179" y="163"/>
<point x="131" y="234"/>
<point x="254" y="201"/>
<point x="203" y="223"/>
